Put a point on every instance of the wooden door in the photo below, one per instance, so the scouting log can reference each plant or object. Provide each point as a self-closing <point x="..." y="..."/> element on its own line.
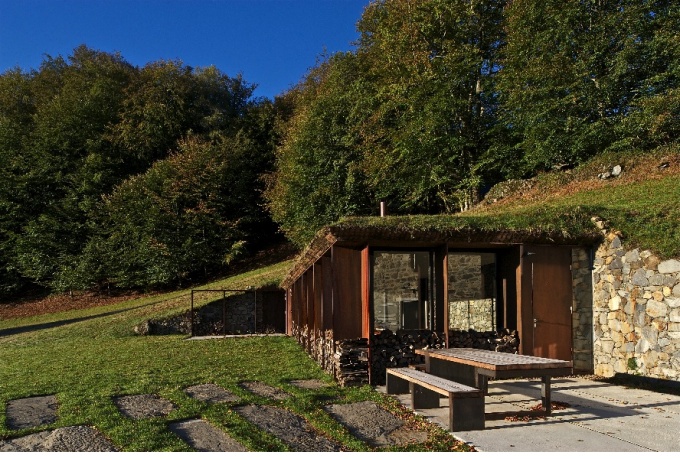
<point x="551" y="301"/>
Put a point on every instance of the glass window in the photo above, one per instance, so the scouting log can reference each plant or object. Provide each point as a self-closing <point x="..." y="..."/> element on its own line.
<point x="472" y="291"/>
<point x="402" y="290"/>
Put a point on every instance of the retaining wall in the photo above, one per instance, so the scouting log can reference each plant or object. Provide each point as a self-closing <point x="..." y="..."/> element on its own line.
<point x="636" y="312"/>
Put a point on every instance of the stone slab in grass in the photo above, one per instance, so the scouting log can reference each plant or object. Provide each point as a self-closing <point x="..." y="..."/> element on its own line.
<point x="311" y="384"/>
<point x="374" y="425"/>
<point x="31" y="412"/>
<point x="211" y="393"/>
<point x="291" y="429"/>
<point x="204" y="437"/>
<point x="67" y="439"/>
<point x="143" y="406"/>
<point x="264" y="390"/>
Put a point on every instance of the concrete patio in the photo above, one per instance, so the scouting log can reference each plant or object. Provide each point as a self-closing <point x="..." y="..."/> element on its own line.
<point x="597" y="417"/>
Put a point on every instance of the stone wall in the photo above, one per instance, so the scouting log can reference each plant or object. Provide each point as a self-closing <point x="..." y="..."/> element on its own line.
<point x="478" y="315"/>
<point x="582" y="310"/>
<point x="471" y="286"/>
<point x="396" y="278"/>
<point x="244" y="315"/>
<point x="636" y="312"/>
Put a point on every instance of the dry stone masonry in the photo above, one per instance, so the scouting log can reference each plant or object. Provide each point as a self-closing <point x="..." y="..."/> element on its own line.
<point x="636" y="312"/>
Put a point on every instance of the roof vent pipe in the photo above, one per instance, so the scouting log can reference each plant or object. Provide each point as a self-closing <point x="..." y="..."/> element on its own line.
<point x="383" y="209"/>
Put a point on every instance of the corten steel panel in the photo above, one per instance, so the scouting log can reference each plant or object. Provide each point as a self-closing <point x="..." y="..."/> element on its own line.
<point x="366" y="315"/>
<point x="524" y="308"/>
<point x="309" y="280"/>
<point x="327" y="294"/>
<point x="551" y="301"/>
<point x="318" y="297"/>
<point x="297" y="302"/>
<point x="310" y="299"/>
<point x="347" y="311"/>
<point x="289" y="311"/>
<point x="303" y="300"/>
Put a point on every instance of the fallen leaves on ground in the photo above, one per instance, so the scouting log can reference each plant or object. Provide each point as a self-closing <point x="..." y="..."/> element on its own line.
<point x="539" y="412"/>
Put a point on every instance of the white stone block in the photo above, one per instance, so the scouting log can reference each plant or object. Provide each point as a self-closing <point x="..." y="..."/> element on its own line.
<point x="615" y="303"/>
<point x="607" y="346"/>
<point x="656" y="309"/>
<point x="669" y="266"/>
<point x="642" y="346"/>
<point x="674" y="315"/>
<point x="673" y="302"/>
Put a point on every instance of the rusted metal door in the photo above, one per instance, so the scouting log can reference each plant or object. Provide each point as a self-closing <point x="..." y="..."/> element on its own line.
<point x="551" y="301"/>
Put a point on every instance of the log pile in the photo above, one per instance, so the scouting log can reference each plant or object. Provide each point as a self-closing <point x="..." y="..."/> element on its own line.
<point x="397" y="349"/>
<point x="505" y="340"/>
<point x="329" y="352"/>
<point x="351" y="357"/>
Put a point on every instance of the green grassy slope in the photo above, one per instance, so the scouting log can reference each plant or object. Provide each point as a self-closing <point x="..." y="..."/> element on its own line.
<point x="87" y="357"/>
<point x="643" y="203"/>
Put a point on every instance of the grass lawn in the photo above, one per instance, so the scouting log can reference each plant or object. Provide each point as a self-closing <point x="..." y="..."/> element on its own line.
<point x="87" y="357"/>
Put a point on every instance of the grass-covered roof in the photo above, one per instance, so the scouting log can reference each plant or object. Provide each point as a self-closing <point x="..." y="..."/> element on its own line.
<point x="553" y="208"/>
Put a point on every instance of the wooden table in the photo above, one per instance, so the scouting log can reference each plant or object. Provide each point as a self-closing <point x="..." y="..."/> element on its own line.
<point x="474" y="367"/>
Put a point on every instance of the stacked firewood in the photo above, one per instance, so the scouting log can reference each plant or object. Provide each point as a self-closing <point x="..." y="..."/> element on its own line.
<point x="505" y="340"/>
<point x="397" y="349"/>
<point x="390" y="349"/>
<point x="329" y="352"/>
<point x="351" y="357"/>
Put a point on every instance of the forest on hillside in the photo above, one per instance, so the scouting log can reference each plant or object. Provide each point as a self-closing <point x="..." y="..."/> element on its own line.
<point x="130" y="177"/>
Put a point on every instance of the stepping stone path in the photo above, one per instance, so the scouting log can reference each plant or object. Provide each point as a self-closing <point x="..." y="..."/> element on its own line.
<point x="143" y="406"/>
<point x="365" y="420"/>
<point x="204" y="437"/>
<point x="292" y="429"/>
<point x="264" y="390"/>
<point x="31" y="412"/>
<point x="312" y="384"/>
<point x="68" y="439"/>
<point x="210" y="393"/>
<point x="383" y="429"/>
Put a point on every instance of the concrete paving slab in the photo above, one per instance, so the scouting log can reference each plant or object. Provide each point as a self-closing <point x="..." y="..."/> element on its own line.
<point x="598" y="417"/>
<point x="32" y="412"/>
<point x="204" y="437"/>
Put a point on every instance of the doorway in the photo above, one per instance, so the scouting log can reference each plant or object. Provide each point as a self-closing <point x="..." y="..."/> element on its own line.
<point x="549" y="269"/>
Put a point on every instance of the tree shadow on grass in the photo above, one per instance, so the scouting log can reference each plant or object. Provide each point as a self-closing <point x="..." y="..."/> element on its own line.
<point x="52" y="324"/>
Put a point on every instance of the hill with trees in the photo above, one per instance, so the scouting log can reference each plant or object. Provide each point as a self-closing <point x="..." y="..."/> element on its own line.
<point x="130" y="177"/>
<point x="442" y="99"/>
<point x="114" y="175"/>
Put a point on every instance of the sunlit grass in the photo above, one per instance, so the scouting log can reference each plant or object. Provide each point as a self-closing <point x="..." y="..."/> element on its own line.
<point x="88" y="357"/>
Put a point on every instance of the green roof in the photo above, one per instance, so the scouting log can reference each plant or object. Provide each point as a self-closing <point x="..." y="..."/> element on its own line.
<point x="571" y="226"/>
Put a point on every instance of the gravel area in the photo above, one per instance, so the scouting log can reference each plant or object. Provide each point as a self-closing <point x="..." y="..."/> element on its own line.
<point x="204" y="437"/>
<point x="210" y="393"/>
<point x="68" y="439"/>
<point x="264" y="390"/>
<point x="374" y="425"/>
<point x="312" y="384"/>
<point x="292" y="429"/>
<point x="32" y="412"/>
<point x="143" y="406"/>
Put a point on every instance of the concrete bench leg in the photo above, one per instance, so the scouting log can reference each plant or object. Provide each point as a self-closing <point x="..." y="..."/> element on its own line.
<point x="396" y="385"/>
<point x="422" y="398"/>
<point x="466" y="413"/>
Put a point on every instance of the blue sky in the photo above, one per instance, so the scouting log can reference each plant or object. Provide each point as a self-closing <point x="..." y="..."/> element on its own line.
<point x="272" y="43"/>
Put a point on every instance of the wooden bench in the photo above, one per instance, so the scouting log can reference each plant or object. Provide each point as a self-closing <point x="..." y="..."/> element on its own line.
<point x="466" y="404"/>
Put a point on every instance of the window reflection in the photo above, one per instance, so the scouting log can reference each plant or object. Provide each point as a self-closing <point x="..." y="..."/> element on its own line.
<point x="472" y="291"/>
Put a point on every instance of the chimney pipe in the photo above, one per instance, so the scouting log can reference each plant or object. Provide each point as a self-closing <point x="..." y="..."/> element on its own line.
<point x="383" y="209"/>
